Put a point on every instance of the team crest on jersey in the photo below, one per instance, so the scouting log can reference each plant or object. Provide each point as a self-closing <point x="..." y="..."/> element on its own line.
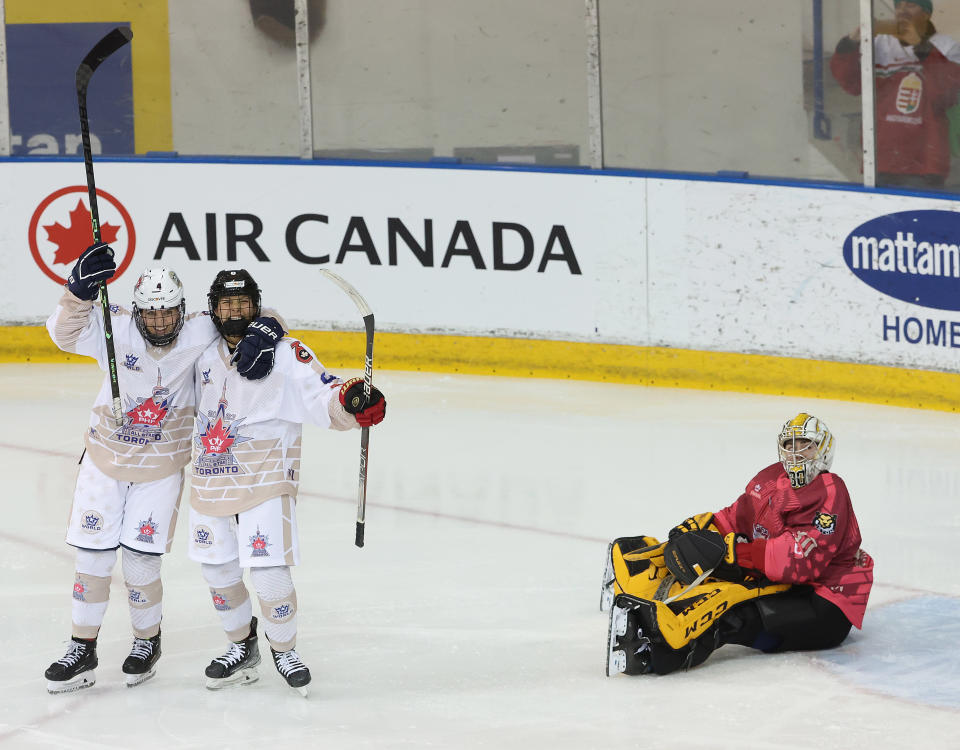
<point x="760" y="532"/>
<point x="825" y="523"/>
<point x="137" y="597"/>
<point x="131" y="363"/>
<point x="259" y="543"/>
<point x="148" y="529"/>
<point x="301" y="352"/>
<point x="217" y="434"/>
<point x="205" y="376"/>
<point x="79" y="590"/>
<point x="219" y="603"/>
<point x="115" y="309"/>
<point x="143" y="417"/>
<point x="91" y="521"/>
<point x="202" y="536"/>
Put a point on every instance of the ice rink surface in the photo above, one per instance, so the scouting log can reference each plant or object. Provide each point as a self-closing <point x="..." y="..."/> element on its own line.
<point x="470" y="619"/>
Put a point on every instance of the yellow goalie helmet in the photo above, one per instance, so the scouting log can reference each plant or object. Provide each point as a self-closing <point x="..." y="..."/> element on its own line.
<point x="805" y="447"/>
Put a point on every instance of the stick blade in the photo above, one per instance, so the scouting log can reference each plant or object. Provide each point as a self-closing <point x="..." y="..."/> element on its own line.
<point x="110" y="43"/>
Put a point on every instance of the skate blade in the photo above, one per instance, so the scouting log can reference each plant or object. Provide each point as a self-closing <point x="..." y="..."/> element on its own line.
<point x="616" y="658"/>
<point x="243" y="677"/>
<point x="302" y="690"/>
<point x="606" y="583"/>
<point x="80" y="682"/>
<point x="138" y="679"/>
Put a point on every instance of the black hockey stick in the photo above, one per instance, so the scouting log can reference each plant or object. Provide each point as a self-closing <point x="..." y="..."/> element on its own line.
<point x="110" y="43"/>
<point x="367" y="314"/>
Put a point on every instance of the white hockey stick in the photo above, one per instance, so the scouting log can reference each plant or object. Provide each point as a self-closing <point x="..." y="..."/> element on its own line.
<point x="367" y="314"/>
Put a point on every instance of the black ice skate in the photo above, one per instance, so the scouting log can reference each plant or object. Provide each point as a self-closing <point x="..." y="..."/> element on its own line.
<point x="292" y="669"/>
<point x="74" y="671"/>
<point x="139" y="666"/>
<point x="628" y="650"/>
<point x="238" y="665"/>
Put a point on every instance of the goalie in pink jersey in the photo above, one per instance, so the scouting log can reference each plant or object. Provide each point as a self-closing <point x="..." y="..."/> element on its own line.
<point x="781" y="569"/>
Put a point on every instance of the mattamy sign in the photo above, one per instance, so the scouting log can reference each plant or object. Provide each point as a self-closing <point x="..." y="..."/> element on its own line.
<point x="703" y="265"/>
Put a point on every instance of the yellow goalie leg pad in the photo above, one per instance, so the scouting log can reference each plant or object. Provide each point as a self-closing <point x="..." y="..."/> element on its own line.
<point x="638" y="566"/>
<point x="689" y="617"/>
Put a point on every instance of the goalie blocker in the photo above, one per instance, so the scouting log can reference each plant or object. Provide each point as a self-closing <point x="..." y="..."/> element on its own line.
<point x="780" y="569"/>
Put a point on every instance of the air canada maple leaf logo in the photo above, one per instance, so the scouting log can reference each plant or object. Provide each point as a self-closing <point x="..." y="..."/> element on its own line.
<point x="72" y="240"/>
<point x="61" y="229"/>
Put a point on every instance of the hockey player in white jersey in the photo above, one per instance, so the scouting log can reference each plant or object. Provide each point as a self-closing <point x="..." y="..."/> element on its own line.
<point x="131" y="475"/>
<point x="246" y="471"/>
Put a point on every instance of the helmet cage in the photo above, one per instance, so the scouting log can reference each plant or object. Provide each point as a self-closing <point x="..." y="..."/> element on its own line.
<point x="158" y="288"/>
<point x="805" y="447"/>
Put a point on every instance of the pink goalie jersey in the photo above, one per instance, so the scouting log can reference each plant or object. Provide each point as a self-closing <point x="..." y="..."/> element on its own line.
<point x="811" y="536"/>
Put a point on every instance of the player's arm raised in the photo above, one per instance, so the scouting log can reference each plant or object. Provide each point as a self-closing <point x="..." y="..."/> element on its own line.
<point x="73" y="326"/>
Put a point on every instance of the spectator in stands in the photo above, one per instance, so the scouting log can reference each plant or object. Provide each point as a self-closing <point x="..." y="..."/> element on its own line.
<point x="917" y="73"/>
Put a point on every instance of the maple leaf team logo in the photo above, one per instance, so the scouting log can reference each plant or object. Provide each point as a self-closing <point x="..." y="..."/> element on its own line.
<point x="216" y="436"/>
<point x="258" y="544"/>
<point x="143" y="417"/>
<point x="60" y="231"/>
<point x="148" y="529"/>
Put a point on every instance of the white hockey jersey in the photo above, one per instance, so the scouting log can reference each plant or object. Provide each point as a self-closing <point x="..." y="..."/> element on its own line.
<point x="246" y="445"/>
<point x="156" y="389"/>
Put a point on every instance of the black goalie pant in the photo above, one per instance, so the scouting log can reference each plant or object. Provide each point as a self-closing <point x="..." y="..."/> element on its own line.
<point x="795" y="620"/>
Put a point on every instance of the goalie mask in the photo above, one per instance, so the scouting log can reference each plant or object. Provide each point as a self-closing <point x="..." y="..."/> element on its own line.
<point x="240" y="298"/>
<point x="158" y="305"/>
<point x="806" y="449"/>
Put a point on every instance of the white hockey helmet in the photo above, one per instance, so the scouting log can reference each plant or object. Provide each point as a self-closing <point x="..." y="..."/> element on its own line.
<point x="805" y="447"/>
<point x="158" y="288"/>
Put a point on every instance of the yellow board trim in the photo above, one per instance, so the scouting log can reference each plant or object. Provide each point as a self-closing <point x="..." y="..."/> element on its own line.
<point x="638" y="365"/>
<point x="149" y="50"/>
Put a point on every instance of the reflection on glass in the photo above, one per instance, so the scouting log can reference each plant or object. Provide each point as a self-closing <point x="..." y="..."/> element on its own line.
<point x="917" y="83"/>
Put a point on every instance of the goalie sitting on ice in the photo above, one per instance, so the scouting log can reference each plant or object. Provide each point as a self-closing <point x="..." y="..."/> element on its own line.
<point x="780" y="569"/>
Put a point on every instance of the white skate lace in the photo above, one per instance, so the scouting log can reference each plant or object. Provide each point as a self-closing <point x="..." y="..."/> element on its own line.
<point x="75" y="652"/>
<point x="288" y="662"/>
<point x="236" y="653"/>
<point x="142" y="649"/>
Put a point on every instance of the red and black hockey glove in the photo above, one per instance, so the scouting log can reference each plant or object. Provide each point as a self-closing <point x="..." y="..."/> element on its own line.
<point x="368" y="412"/>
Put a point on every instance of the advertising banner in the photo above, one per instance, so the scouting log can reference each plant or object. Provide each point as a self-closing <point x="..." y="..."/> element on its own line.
<point x="433" y="250"/>
<point x="842" y="275"/>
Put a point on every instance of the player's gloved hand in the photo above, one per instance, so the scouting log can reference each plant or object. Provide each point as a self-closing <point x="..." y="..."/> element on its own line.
<point x="694" y="523"/>
<point x="367" y="412"/>
<point x="689" y="555"/>
<point x="255" y="354"/>
<point x="94" y="265"/>
<point x="743" y="553"/>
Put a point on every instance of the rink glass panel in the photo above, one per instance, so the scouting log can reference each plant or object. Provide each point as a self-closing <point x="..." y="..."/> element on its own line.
<point x="493" y="82"/>
<point x="233" y="81"/>
<point x="707" y="86"/>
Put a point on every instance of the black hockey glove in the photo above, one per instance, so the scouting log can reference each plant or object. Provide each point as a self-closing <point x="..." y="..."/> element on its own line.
<point x="690" y="555"/>
<point x="368" y="413"/>
<point x="93" y="266"/>
<point x="255" y="353"/>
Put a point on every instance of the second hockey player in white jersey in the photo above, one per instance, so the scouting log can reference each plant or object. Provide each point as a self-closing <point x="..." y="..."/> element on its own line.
<point x="246" y="471"/>
<point x="131" y="474"/>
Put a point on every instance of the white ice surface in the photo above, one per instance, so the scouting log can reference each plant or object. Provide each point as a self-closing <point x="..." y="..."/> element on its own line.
<point x="470" y="618"/>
